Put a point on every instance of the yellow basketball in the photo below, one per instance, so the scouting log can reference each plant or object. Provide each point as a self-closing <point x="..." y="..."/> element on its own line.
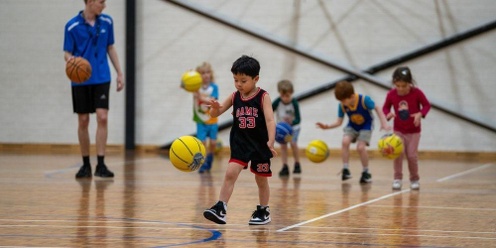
<point x="187" y="153"/>
<point x="191" y="81"/>
<point x="317" y="151"/>
<point x="390" y="146"/>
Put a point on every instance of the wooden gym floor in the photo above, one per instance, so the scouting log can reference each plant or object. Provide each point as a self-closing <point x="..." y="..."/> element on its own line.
<point x="151" y="204"/>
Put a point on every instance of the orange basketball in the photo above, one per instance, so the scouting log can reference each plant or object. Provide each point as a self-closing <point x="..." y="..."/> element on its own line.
<point x="78" y="70"/>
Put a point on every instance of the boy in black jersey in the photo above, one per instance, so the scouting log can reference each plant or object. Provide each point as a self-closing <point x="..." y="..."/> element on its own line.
<point x="252" y="139"/>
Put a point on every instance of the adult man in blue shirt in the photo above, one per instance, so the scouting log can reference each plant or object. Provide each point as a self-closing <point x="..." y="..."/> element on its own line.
<point x="90" y="34"/>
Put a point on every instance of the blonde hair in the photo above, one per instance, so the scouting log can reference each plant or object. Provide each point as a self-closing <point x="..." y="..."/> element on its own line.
<point x="285" y="86"/>
<point x="204" y="67"/>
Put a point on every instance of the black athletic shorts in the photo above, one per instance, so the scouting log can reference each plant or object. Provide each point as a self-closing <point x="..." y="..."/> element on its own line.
<point x="258" y="167"/>
<point x="86" y="99"/>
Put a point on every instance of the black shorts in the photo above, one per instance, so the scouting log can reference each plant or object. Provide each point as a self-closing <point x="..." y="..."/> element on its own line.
<point x="86" y="99"/>
<point x="260" y="167"/>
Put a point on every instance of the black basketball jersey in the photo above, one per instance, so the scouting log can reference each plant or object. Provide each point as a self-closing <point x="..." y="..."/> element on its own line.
<point x="249" y="135"/>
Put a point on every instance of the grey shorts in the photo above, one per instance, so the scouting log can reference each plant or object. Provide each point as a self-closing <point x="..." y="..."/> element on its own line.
<point x="296" y="133"/>
<point x="363" y="135"/>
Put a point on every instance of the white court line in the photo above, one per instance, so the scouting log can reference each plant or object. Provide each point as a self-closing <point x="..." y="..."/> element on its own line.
<point x="320" y="230"/>
<point x="342" y="210"/>
<point x="101" y="226"/>
<point x="378" y="199"/>
<point x="463" y="173"/>
<point x="395" y="234"/>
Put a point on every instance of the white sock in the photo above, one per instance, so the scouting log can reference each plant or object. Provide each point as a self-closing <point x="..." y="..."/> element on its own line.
<point x="225" y="205"/>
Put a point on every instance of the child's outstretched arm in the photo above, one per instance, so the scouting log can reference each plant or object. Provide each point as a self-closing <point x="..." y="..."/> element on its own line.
<point x="382" y="118"/>
<point x="337" y="123"/>
<point x="386" y="109"/>
<point x="426" y="106"/>
<point x="270" y="122"/>
<point x="217" y="109"/>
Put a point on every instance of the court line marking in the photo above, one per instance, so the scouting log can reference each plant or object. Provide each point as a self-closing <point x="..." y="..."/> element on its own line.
<point x="342" y="210"/>
<point x="402" y="234"/>
<point x="434" y="207"/>
<point x="218" y="235"/>
<point x="463" y="173"/>
<point x="378" y="199"/>
<point x="185" y="226"/>
<point x="321" y="229"/>
<point x="215" y="234"/>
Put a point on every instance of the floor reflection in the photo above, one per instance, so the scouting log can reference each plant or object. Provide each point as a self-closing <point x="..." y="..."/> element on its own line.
<point x="83" y="213"/>
<point x="129" y="197"/>
<point x="345" y="202"/>
<point x="261" y="234"/>
<point x="89" y="230"/>
<point x="207" y="194"/>
<point x="405" y="219"/>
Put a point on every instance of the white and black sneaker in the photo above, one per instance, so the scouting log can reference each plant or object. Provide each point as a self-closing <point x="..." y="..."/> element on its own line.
<point x="366" y="177"/>
<point x="261" y="216"/>
<point x="217" y="213"/>
<point x="345" y="174"/>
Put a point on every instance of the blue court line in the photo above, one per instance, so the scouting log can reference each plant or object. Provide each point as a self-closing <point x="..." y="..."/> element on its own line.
<point x="215" y="234"/>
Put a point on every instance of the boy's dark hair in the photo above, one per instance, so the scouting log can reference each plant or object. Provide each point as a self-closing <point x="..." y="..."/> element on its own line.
<point x="404" y="74"/>
<point x="344" y="90"/>
<point x="246" y="65"/>
<point x="285" y="86"/>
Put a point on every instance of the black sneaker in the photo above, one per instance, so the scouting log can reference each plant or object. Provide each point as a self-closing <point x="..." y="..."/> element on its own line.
<point x="261" y="216"/>
<point x="84" y="171"/>
<point x="366" y="177"/>
<point x="284" y="171"/>
<point x="217" y="213"/>
<point x="102" y="171"/>
<point x="345" y="174"/>
<point x="297" y="168"/>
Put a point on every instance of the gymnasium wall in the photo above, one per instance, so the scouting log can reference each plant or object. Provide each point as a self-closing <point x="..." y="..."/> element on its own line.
<point x="35" y="100"/>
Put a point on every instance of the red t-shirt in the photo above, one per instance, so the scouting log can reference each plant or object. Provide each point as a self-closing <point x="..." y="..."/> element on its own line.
<point x="404" y="106"/>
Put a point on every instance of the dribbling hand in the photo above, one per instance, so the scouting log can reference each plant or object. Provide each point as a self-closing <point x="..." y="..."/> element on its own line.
<point x="214" y="104"/>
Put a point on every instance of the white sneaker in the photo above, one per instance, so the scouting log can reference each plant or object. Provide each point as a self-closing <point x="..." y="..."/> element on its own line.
<point x="396" y="184"/>
<point x="415" y="185"/>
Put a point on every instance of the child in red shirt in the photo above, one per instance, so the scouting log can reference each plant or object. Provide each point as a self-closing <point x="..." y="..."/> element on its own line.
<point x="410" y="106"/>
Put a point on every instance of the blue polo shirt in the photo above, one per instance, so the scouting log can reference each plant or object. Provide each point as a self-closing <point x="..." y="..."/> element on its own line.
<point x="91" y="42"/>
